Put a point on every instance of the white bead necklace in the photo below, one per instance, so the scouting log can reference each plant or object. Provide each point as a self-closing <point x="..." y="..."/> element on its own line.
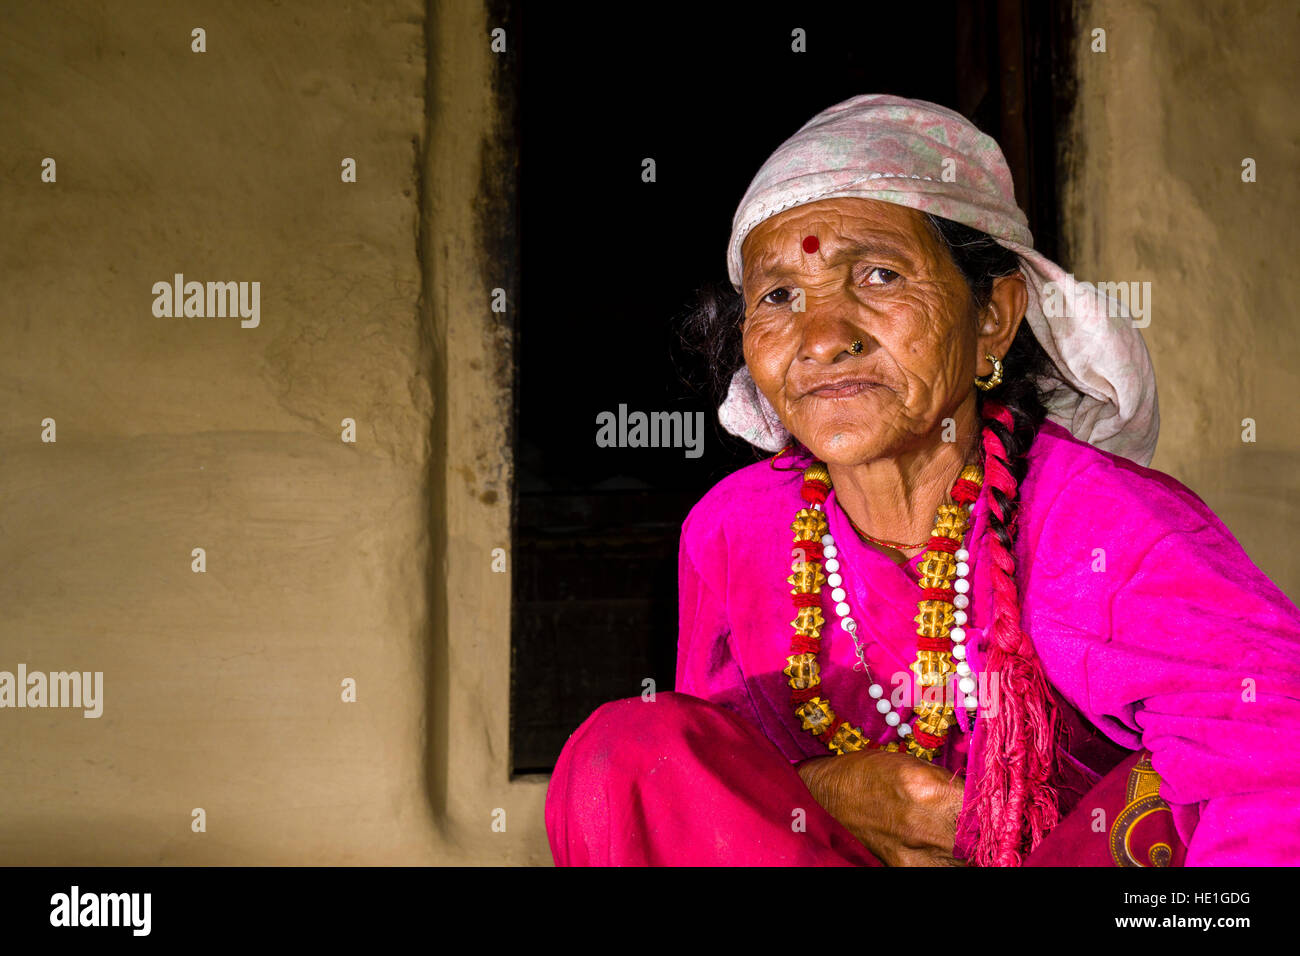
<point x="961" y="601"/>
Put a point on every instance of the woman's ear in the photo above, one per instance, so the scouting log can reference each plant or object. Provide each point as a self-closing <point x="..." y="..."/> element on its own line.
<point x="1000" y="319"/>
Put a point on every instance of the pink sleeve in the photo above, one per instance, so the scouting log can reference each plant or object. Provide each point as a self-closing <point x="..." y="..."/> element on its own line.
<point x="1202" y="659"/>
<point x="706" y="665"/>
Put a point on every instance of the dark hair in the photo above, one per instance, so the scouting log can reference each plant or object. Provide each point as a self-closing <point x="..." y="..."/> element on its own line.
<point x="981" y="260"/>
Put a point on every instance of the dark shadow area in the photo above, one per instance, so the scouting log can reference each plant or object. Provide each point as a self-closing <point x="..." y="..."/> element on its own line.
<point x="611" y="263"/>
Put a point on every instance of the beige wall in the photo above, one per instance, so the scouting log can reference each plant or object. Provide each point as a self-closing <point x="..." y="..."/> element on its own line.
<point x="1184" y="92"/>
<point x="325" y="560"/>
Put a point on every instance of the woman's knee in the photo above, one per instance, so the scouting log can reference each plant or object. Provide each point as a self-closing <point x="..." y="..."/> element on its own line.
<point x="632" y="730"/>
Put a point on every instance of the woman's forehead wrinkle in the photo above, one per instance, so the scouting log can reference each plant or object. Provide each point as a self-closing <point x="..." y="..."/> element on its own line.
<point x="782" y="247"/>
<point x="892" y="235"/>
<point x="860" y="248"/>
<point x="768" y="262"/>
<point x="779" y="252"/>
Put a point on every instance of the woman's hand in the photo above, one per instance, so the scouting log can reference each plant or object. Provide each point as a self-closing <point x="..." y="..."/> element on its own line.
<point x="903" y="809"/>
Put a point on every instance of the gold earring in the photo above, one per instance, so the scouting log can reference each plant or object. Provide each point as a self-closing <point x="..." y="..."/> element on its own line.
<point x="993" y="380"/>
<point x="856" y="347"/>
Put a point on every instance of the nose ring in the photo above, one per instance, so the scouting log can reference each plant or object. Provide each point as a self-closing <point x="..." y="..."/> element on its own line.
<point x="856" y="347"/>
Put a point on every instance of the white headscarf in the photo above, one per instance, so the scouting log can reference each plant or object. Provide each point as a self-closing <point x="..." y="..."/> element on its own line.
<point x="930" y="158"/>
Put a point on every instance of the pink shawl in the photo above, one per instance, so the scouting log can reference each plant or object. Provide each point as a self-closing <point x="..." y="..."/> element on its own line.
<point x="1148" y="617"/>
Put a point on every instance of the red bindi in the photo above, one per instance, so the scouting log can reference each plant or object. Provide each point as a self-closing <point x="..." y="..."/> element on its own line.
<point x="810" y="244"/>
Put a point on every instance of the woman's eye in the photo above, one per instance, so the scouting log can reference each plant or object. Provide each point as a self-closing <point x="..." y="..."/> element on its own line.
<point x="781" y="292"/>
<point x="887" y="276"/>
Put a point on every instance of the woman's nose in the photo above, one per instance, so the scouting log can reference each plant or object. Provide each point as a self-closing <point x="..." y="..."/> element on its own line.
<point x="829" y="328"/>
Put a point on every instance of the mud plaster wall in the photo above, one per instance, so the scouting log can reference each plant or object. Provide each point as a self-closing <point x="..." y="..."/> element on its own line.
<point x="325" y="560"/>
<point x="1184" y="93"/>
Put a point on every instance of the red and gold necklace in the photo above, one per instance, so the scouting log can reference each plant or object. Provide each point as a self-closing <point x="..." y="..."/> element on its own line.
<point x="940" y="631"/>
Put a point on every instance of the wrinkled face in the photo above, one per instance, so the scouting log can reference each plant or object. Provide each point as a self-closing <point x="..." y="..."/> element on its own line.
<point x="878" y="275"/>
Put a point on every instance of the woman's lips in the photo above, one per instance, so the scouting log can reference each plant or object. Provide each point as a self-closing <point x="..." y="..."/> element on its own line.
<point x="847" y="390"/>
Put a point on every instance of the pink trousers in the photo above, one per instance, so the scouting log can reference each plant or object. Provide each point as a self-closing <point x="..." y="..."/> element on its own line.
<point x="681" y="781"/>
<point x="684" y="782"/>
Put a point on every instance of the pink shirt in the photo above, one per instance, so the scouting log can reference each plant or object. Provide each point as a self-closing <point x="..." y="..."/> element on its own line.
<point x="1149" y="618"/>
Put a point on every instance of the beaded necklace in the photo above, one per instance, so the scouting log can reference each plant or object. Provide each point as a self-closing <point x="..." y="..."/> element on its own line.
<point x="940" y="632"/>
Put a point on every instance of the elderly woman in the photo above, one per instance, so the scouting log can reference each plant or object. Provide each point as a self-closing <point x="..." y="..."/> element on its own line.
<point x="955" y="618"/>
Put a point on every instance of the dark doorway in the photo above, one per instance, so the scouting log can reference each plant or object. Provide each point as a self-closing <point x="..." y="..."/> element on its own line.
<point x="610" y="263"/>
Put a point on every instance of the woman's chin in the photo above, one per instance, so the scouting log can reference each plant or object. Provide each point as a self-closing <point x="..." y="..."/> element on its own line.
<point x="847" y="446"/>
